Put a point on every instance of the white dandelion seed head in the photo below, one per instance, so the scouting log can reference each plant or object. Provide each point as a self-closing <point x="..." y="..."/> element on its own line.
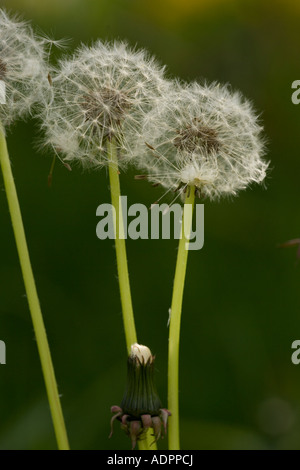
<point x="23" y="70"/>
<point x="203" y="136"/>
<point x="103" y="92"/>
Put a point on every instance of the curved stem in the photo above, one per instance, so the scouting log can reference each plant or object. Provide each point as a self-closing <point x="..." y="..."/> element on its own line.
<point x="176" y="308"/>
<point x="33" y="301"/>
<point x="122" y="266"/>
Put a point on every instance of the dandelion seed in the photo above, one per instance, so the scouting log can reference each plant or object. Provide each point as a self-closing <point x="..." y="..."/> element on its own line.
<point x="23" y="68"/>
<point x="293" y="242"/>
<point x="202" y="136"/>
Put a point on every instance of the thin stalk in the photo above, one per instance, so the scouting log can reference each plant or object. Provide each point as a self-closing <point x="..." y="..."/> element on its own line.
<point x="51" y="171"/>
<point x="122" y="265"/>
<point x="176" y="308"/>
<point x="33" y="301"/>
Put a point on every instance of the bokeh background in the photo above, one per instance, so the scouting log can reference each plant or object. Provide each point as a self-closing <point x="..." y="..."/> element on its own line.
<point x="241" y="313"/>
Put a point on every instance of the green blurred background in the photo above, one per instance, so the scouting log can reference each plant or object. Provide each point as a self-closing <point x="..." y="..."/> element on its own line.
<point x="238" y="386"/>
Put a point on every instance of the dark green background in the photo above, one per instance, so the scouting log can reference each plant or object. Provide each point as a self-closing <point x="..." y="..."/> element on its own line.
<point x="238" y="386"/>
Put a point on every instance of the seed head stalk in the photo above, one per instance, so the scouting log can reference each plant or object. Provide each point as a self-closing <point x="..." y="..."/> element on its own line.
<point x="122" y="266"/>
<point x="33" y="301"/>
<point x="176" y="308"/>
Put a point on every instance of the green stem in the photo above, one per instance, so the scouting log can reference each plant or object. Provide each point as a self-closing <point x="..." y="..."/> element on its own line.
<point x="33" y="301"/>
<point x="174" y="332"/>
<point x="122" y="265"/>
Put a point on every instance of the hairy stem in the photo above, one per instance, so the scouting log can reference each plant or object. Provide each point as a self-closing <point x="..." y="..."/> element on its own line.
<point x="176" y="308"/>
<point x="33" y="301"/>
<point x="122" y="265"/>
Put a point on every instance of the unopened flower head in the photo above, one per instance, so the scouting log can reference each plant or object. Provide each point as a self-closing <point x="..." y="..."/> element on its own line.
<point x="100" y="94"/>
<point x="23" y="73"/>
<point x="202" y="136"/>
<point x="141" y="407"/>
<point x="140" y="353"/>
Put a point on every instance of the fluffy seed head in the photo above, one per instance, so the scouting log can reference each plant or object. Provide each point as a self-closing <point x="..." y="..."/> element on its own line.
<point x="22" y="68"/>
<point x="203" y="136"/>
<point x="101" y="93"/>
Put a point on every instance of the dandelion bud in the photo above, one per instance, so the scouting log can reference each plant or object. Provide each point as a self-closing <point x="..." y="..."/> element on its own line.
<point x="141" y="354"/>
<point x="141" y="407"/>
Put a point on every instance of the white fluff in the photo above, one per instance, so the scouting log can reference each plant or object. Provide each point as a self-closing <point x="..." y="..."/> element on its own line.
<point x="102" y="92"/>
<point x="203" y="136"/>
<point x="23" y="68"/>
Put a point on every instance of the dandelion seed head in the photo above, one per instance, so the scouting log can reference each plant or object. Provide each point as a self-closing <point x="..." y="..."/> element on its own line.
<point x="204" y="136"/>
<point x="22" y="67"/>
<point x="101" y="93"/>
